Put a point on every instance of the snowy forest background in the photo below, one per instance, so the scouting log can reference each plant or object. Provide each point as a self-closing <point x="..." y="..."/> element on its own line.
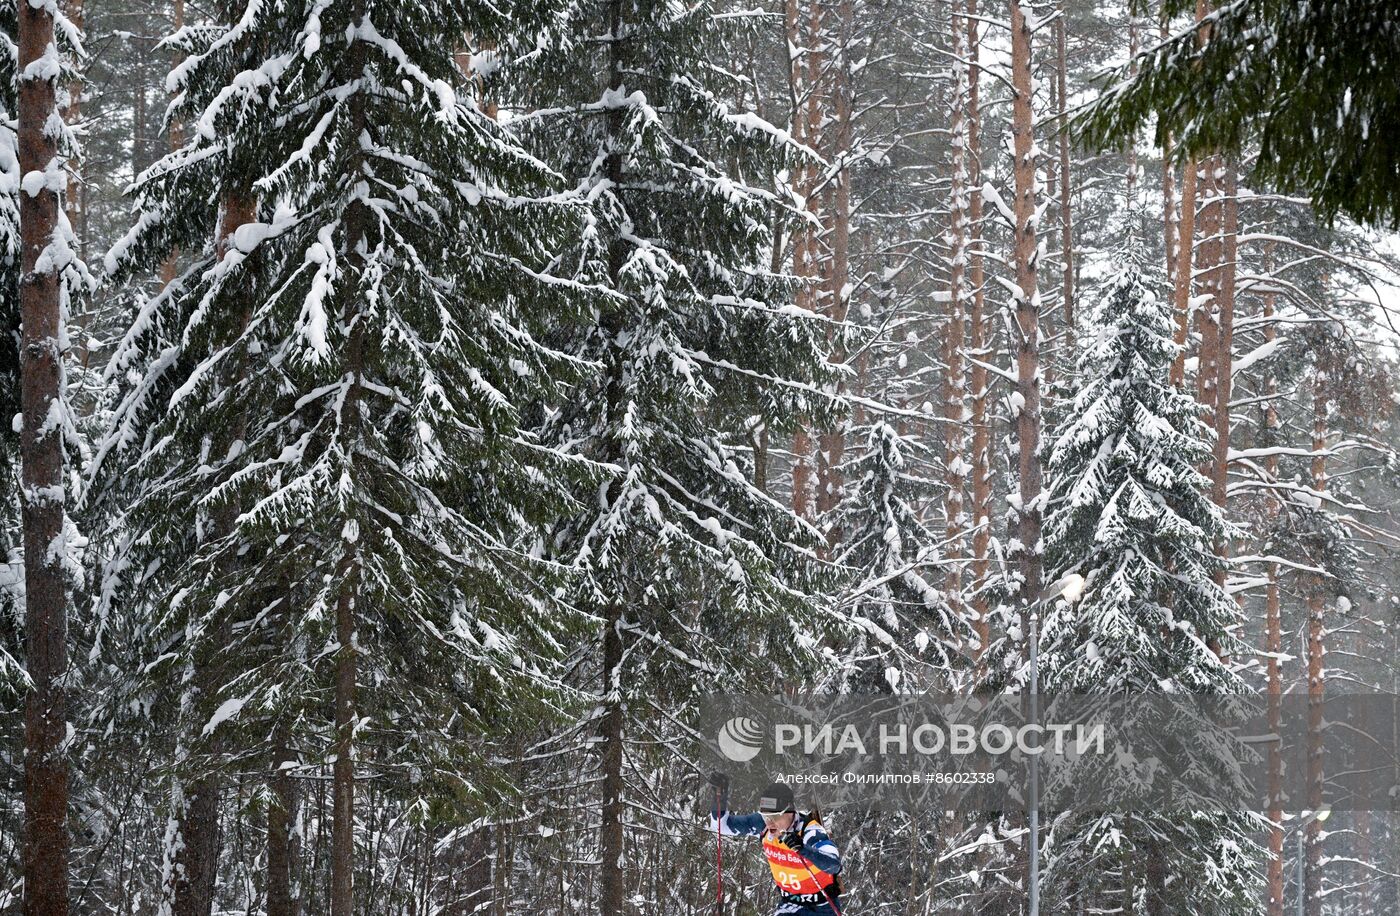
<point x="457" y="391"/>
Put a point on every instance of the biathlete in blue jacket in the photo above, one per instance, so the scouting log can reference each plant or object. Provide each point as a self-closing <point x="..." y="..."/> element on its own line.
<point x="804" y="861"/>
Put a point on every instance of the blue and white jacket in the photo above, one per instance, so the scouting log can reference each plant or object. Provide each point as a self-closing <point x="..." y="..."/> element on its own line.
<point x="804" y="860"/>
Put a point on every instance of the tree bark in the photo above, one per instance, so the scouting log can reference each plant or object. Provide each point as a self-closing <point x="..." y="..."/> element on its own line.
<point x="1208" y="267"/>
<point x="613" y="893"/>
<point x="804" y="76"/>
<point x="977" y="345"/>
<point x="1316" y="651"/>
<point x="1186" y="248"/>
<point x="343" y="770"/>
<point x="1183" y="273"/>
<point x="72" y="114"/>
<point x="281" y="836"/>
<point x="357" y="220"/>
<point x="46" y="842"/>
<point x="176" y="138"/>
<point x="197" y="852"/>
<point x="477" y="878"/>
<point x="833" y="441"/>
<point x="1066" y="186"/>
<point x="1027" y="307"/>
<point x="1225" y="342"/>
<point x="347" y="653"/>
<point x="1273" y="644"/>
<point x="1171" y="204"/>
<point x="955" y="387"/>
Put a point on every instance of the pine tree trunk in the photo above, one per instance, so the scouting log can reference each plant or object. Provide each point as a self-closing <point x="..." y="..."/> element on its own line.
<point x="1186" y="248"/>
<point x="501" y="858"/>
<point x="1185" y="266"/>
<point x="198" y="863"/>
<point x="477" y="878"/>
<point x="281" y="837"/>
<point x="170" y="265"/>
<point x="805" y="73"/>
<point x="613" y="893"/>
<point x="1171" y="205"/>
<point x="611" y="838"/>
<point x="1316" y="651"/>
<point x="977" y="345"/>
<point x="1027" y="330"/>
<point x="73" y="202"/>
<point x="197" y="851"/>
<point x="1224" y="357"/>
<point x="1274" y="645"/>
<point x="833" y="441"/>
<point x="955" y="388"/>
<point x="1273" y="641"/>
<point x="346" y="664"/>
<point x="138" y="128"/>
<point x="357" y="219"/>
<point x="1131" y="176"/>
<point x="46" y="843"/>
<point x="1209" y="268"/>
<point x="1066" y="185"/>
<point x="343" y="770"/>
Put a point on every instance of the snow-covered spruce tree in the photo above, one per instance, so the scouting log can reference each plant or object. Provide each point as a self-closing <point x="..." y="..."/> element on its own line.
<point x="316" y="477"/>
<point x="697" y="577"/>
<point x="907" y="636"/>
<point x="1129" y="511"/>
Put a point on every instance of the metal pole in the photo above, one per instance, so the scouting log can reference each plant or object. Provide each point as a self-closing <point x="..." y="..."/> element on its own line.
<point x="1035" y="764"/>
<point x="1302" y="893"/>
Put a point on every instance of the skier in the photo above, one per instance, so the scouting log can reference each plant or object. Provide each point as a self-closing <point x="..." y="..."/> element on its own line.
<point x="804" y="861"/>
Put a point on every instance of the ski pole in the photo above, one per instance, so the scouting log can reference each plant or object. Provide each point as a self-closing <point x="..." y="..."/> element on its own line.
<point x="719" y="856"/>
<point x="829" y="902"/>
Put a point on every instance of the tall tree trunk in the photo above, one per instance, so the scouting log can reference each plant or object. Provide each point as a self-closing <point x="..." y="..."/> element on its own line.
<point x="281" y="833"/>
<point x="357" y="222"/>
<point x="347" y="653"/>
<point x="833" y="441"/>
<point x="805" y="77"/>
<point x="1183" y="273"/>
<point x="1208" y="267"/>
<point x="1186" y="237"/>
<point x="611" y="834"/>
<point x="73" y="207"/>
<point x="1171" y="204"/>
<point x="1027" y="308"/>
<point x="1316" y="652"/>
<point x="476" y="871"/>
<point x="198" y="849"/>
<point x="194" y="877"/>
<point x="955" y="388"/>
<point x="176" y="138"/>
<point x="45" y="857"/>
<point x="977" y="345"/>
<point x="1066" y="185"/>
<point x="1225" y="342"/>
<point x="343" y="770"/>
<point x="138" y="127"/>
<point x="610" y="900"/>
<point x="1273" y="641"/>
<point x="1025" y="528"/>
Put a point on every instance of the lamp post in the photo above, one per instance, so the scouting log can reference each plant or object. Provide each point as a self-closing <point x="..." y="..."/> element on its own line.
<point x="1069" y="588"/>
<point x="1320" y="816"/>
